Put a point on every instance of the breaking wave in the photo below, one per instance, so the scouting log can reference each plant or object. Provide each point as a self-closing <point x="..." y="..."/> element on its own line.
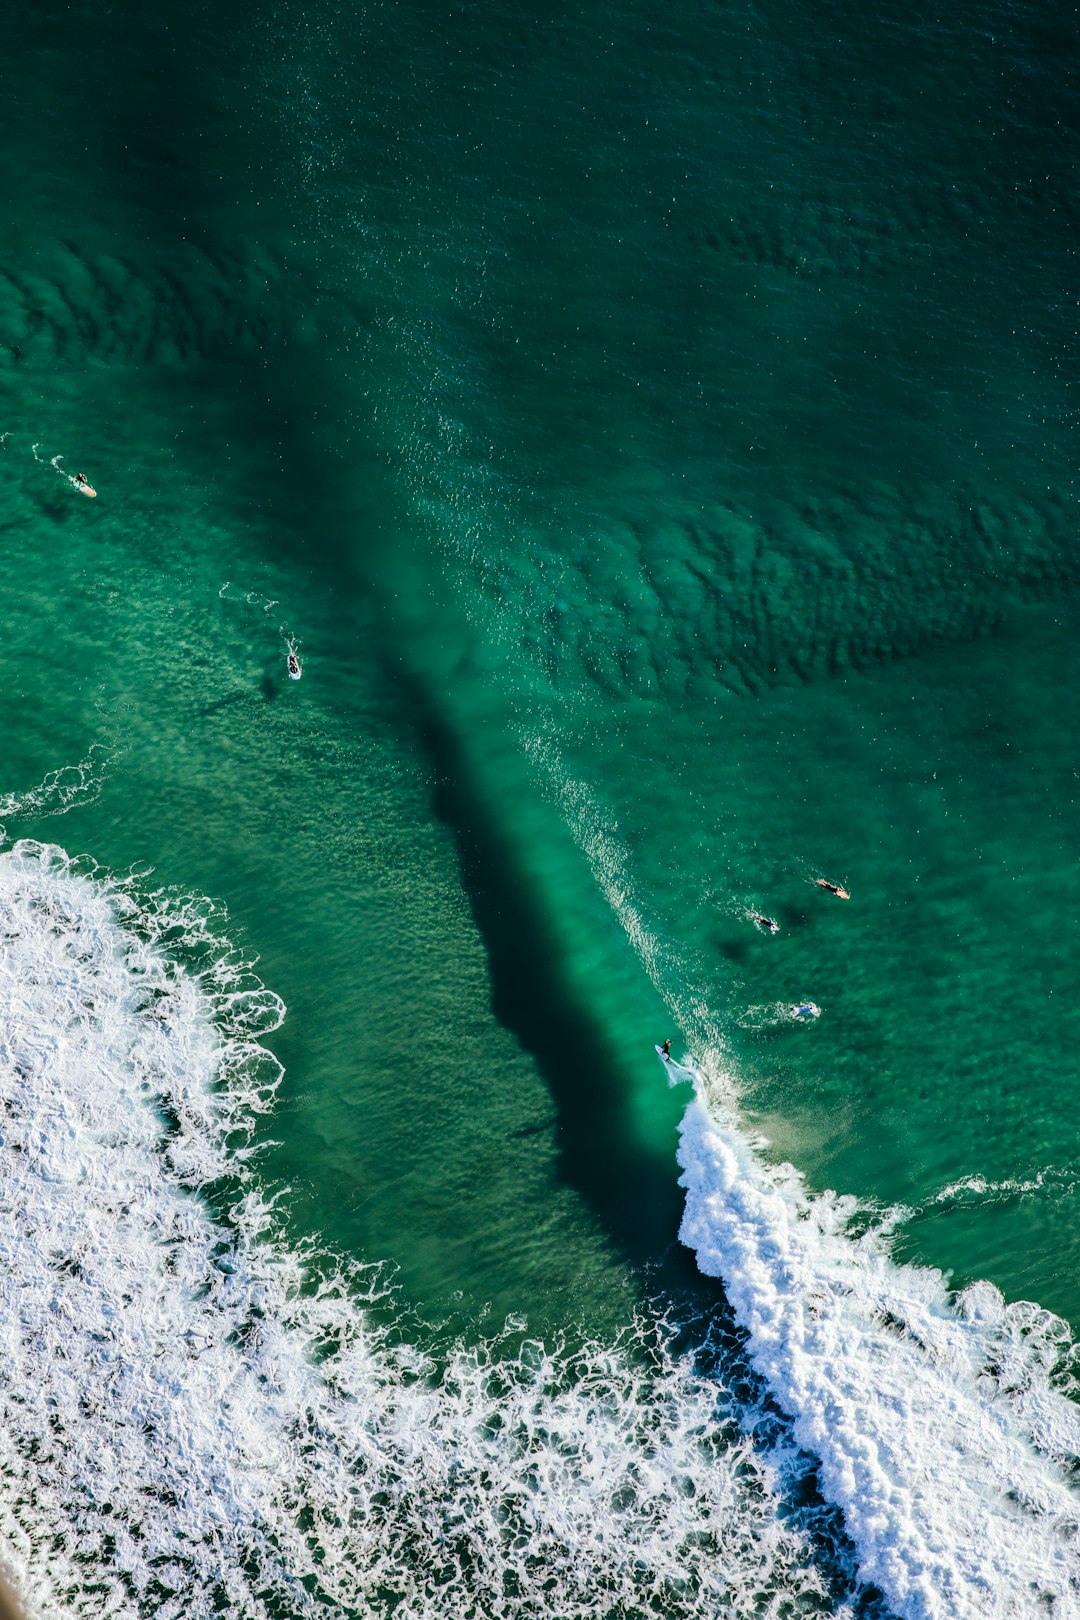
<point x="940" y="1432"/>
<point x="943" y="1423"/>
<point x="198" y="1417"/>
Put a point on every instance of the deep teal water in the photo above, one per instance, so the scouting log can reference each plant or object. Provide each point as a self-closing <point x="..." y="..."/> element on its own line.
<point x="656" y="425"/>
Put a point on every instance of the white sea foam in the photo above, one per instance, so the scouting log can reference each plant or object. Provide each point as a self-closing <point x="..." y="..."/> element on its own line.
<point x="679" y="1074"/>
<point x="939" y="1422"/>
<point x="196" y="1419"/>
<point x="53" y="461"/>
<point x="768" y="1014"/>
<point x="938" y="1430"/>
<point x="980" y="1189"/>
<point x="64" y="788"/>
<point x="266" y="604"/>
<point x="975" y="1191"/>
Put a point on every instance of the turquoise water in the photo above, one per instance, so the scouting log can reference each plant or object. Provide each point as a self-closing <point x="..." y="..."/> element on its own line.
<point x="654" y="427"/>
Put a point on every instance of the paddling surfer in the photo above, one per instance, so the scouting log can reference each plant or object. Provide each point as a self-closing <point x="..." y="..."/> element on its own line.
<point x="833" y="888"/>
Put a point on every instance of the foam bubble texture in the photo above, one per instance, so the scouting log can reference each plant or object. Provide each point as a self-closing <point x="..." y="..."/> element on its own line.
<point x="939" y="1430"/>
<point x="197" y="1419"/>
<point x="942" y="1430"/>
<point x="63" y="789"/>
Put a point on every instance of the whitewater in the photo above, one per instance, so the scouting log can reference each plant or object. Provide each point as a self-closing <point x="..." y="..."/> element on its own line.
<point x="942" y="1421"/>
<point x="199" y="1415"/>
<point x="939" y="1430"/>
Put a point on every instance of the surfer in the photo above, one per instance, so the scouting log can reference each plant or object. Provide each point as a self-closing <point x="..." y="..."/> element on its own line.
<point x="665" y="1051"/>
<point x="768" y="925"/>
<point x="294" y="669"/>
<point x="83" y="484"/>
<point x="833" y="888"/>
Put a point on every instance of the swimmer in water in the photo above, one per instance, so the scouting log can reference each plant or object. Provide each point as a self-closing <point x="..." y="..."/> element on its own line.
<point x="768" y="925"/>
<point x="806" y="1009"/>
<point x="294" y="667"/>
<point x="665" y="1051"/>
<point x="833" y="888"/>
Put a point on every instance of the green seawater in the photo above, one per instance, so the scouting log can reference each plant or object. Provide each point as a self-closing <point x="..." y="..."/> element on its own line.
<point x="655" y="426"/>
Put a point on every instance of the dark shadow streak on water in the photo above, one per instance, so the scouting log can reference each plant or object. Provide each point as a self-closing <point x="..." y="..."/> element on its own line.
<point x="227" y="702"/>
<point x="633" y="1193"/>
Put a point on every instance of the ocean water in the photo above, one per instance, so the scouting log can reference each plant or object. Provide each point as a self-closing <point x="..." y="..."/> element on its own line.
<point x="654" y="428"/>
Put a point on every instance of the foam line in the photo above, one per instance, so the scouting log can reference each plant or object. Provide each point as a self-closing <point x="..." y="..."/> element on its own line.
<point x="771" y="1014"/>
<point x="938" y="1430"/>
<point x="65" y="788"/>
<point x="975" y="1187"/>
<point x="251" y="598"/>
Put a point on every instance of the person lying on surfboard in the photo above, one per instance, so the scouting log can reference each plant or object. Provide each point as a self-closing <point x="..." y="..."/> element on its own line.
<point x="81" y="482"/>
<point x="768" y="925"/>
<point x="294" y="667"/>
<point x="833" y="888"/>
